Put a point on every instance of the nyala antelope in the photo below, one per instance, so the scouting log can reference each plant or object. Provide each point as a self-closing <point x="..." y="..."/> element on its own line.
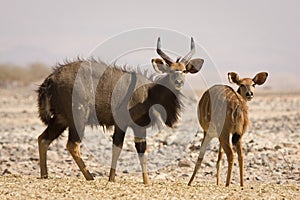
<point x="223" y="111"/>
<point x="112" y="97"/>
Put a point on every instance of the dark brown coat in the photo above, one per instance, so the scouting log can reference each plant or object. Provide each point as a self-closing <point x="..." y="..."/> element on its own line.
<point x="89" y="92"/>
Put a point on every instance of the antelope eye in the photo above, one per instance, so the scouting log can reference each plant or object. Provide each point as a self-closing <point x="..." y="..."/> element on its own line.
<point x="253" y="85"/>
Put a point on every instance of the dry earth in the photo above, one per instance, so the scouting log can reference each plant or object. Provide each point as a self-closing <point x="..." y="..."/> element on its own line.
<point x="271" y="146"/>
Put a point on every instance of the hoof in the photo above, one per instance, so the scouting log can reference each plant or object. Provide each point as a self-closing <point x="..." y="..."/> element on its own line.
<point x="44" y="176"/>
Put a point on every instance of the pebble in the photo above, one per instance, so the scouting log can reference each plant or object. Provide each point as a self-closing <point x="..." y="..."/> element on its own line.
<point x="161" y="176"/>
<point x="185" y="163"/>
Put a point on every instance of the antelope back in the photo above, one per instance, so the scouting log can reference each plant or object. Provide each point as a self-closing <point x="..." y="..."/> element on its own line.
<point x="222" y="109"/>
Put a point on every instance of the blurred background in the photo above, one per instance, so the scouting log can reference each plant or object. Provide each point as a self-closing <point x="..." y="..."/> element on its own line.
<point x="246" y="37"/>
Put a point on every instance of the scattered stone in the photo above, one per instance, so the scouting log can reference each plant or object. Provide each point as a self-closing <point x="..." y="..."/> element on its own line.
<point x="277" y="147"/>
<point x="6" y="171"/>
<point x="33" y="158"/>
<point x="185" y="163"/>
<point x="208" y="164"/>
<point x="289" y="145"/>
<point x="161" y="176"/>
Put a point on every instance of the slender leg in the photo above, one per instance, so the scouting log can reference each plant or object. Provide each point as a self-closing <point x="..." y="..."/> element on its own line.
<point x="141" y="148"/>
<point x="53" y="130"/>
<point x="203" y="147"/>
<point x="230" y="156"/>
<point x="118" y="139"/>
<point x="219" y="164"/>
<point x="204" y="135"/>
<point x="73" y="147"/>
<point x="43" y="148"/>
<point x="241" y="160"/>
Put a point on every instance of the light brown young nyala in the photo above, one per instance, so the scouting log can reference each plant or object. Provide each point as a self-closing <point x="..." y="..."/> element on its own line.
<point x="222" y="112"/>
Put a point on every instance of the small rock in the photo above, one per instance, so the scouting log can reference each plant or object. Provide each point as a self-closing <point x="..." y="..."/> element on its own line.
<point x="289" y="145"/>
<point x="208" y="164"/>
<point x="33" y="159"/>
<point x="185" y="175"/>
<point x="277" y="147"/>
<point x="267" y="148"/>
<point x="6" y="171"/>
<point x="161" y="176"/>
<point x="184" y="163"/>
<point x="208" y="173"/>
<point x="163" y="142"/>
<point x="171" y="139"/>
<point x="194" y="147"/>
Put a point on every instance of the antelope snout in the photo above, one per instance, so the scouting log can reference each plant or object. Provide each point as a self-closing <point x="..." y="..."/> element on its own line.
<point x="179" y="84"/>
<point x="249" y="95"/>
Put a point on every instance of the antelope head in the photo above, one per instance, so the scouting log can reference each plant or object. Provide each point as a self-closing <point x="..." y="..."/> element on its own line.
<point x="247" y="85"/>
<point x="176" y="69"/>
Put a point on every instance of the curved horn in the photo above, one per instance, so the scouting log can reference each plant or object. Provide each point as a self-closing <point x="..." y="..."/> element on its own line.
<point x="166" y="58"/>
<point x="188" y="56"/>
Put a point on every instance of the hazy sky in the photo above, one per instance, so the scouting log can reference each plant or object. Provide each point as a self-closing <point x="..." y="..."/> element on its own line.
<point x="244" y="36"/>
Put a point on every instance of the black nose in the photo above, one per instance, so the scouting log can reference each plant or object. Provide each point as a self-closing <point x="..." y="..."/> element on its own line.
<point x="178" y="82"/>
<point x="249" y="94"/>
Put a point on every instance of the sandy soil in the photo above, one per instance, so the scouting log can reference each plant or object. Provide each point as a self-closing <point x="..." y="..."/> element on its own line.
<point x="28" y="187"/>
<point x="271" y="146"/>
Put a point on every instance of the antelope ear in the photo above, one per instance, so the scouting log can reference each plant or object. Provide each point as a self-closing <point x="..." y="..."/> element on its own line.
<point x="233" y="78"/>
<point x="194" y="65"/>
<point x="260" y="78"/>
<point x="159" y="65"/>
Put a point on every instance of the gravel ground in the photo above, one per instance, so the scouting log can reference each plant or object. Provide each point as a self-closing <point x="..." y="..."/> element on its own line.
<point x="271" y="146"/>
<point x="28" y="187"/>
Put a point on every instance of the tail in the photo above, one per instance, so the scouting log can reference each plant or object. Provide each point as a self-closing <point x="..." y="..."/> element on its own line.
<point x="44" y="105"/>
<point x="235" y="138"/>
